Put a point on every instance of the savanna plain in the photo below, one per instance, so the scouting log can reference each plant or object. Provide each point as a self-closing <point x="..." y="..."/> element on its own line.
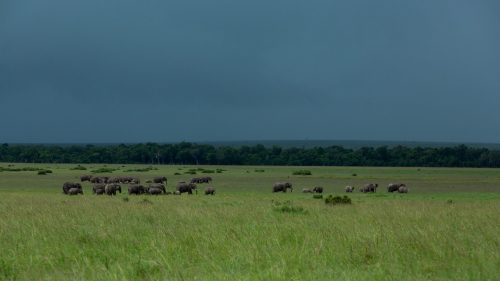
<point x="446" y="228"/>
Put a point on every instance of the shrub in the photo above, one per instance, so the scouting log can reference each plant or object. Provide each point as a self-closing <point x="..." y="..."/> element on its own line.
<point x="287" y="207"/>
<point x="318" y="196"/>
<point x="334" y="200"/>
<point x="42" y="172"/>
<point x="354" y="174"/>
<point x="302" y="173"/>
<point x="103" y="170"/>
<point x="147" y="169"/>
<point x="78" y="168"/>
<point x="260" y="170"/>
<point x="177" y="174"/>
<point x="208" y="171"/>
<point x="190" y="172"/>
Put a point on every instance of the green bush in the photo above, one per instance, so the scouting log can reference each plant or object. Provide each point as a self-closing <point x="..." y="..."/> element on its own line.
<point x="177" y="174"/>
<point x="79" y="167"/>
<point x="208" y="171"/>
<point x="147" y="169"/>
<point x="103" y="170"/>
<point x="190" y="172"/>
<point x="302" y="173"/>
<point x="260" y="170"/>
<point x="318" y="196"/>
<point x="334" y="200"/>
<point x="287" y="207"/>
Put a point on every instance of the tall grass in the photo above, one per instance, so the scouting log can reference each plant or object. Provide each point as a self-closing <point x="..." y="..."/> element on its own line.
<point x="243" y="234"/>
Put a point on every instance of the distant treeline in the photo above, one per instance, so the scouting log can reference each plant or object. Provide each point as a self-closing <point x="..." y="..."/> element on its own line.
<point x="191" y="153"/>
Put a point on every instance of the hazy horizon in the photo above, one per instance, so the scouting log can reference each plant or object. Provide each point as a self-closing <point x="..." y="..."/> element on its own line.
<point x="198" y="71"/>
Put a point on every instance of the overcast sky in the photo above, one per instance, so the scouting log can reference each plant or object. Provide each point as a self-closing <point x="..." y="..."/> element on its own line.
<point x="198" y="70"/>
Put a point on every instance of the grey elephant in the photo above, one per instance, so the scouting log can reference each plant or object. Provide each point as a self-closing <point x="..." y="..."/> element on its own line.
<point x="403" y="189"/>
<point x="75" y="191"/>
<point x="111" y="188"/>
<point x="136" y="189"/>
<point x="99" y="179"/>
<point x="159" y="186"/>
<point x="99" y="188"/>
<point x="184" y="187"/>
<point x="209" y="190"/>
<point x="85" y="178"/>
<point x="394" y="187"/>
<point x="154" y="190"/>
<point x="318" y="189"/>
<point x="68" y="185"/>
<point x="159" y="179"/>
<point x="307" y="190"/>
<point x="349" y="188"/>
<point x="370" y="187"/>
<point x="282" y="187"/>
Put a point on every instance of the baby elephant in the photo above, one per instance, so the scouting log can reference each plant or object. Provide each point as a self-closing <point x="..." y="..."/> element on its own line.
<point x="403" y="189"/>
<point x="307" y="190"/>
<point x="349" y="188"/>
<point x="318" y="189"/>
<point x="75" y="191"/>
<point x="209" y="190"/>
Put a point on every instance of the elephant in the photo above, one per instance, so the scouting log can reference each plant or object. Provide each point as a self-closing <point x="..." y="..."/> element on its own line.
<point x="111" y="188"/>
<point x="100" y="191"/>
<point x="68" y="185"/>
<point x="209" y="190"/>
<point x="99" y="179"/>
<point x="159" y="179"/>
<point x="99" y="188"/>
<point x="403" y="189"/>
<point x="371" y="187"/>
<point x="318" y="189"/>
<point x="136" y="189"/>
<point x="394" y="187"/>
<point x="349" y="188"/>
<point x="85" y="178"/>
<point x="183" y="187"/>
<point x="201" y="180"/>
<point x="159" y="186"/>
<point x="154" y="190"/>
<point x="114" y="180"/>
<point x="307" y="190"/>
<point x="282" y="187"/>
<point x="75" y="191"/>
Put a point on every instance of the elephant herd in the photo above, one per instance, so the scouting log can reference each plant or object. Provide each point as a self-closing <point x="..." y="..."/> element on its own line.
<point x="367" y="188"/>
<point x="156" y="186"/>
<point x="372" y="187"/>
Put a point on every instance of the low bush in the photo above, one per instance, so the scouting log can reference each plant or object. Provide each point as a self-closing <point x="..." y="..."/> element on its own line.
<point x="147" y="169"/>
<point x="207" y="171"/>
<point x="79" y="167"/>
<point x="334" y="200"/>
<point x="302" y="173"/>
<point x="103" y="170"/>
<point x="260" y="170"/>
<point x="318" y="196"/>
<point x="287" y="207"/>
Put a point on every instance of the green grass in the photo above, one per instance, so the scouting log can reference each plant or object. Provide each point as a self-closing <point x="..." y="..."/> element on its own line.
<point x="245" y="232"/>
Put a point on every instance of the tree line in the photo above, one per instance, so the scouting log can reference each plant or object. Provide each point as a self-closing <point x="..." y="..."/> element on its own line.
<point x="191" y="153"/>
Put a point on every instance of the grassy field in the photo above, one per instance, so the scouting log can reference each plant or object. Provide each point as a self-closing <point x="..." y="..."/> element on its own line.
<point x="446" y="228"/>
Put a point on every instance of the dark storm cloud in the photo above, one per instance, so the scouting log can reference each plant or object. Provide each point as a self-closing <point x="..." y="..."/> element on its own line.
<point x="214" y="70"/>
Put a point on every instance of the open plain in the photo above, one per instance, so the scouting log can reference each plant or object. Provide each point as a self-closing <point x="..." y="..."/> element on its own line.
<point x="446" y="228"/>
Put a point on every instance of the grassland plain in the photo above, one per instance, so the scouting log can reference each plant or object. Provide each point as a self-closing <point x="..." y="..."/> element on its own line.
<point x="446" y="228"/>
